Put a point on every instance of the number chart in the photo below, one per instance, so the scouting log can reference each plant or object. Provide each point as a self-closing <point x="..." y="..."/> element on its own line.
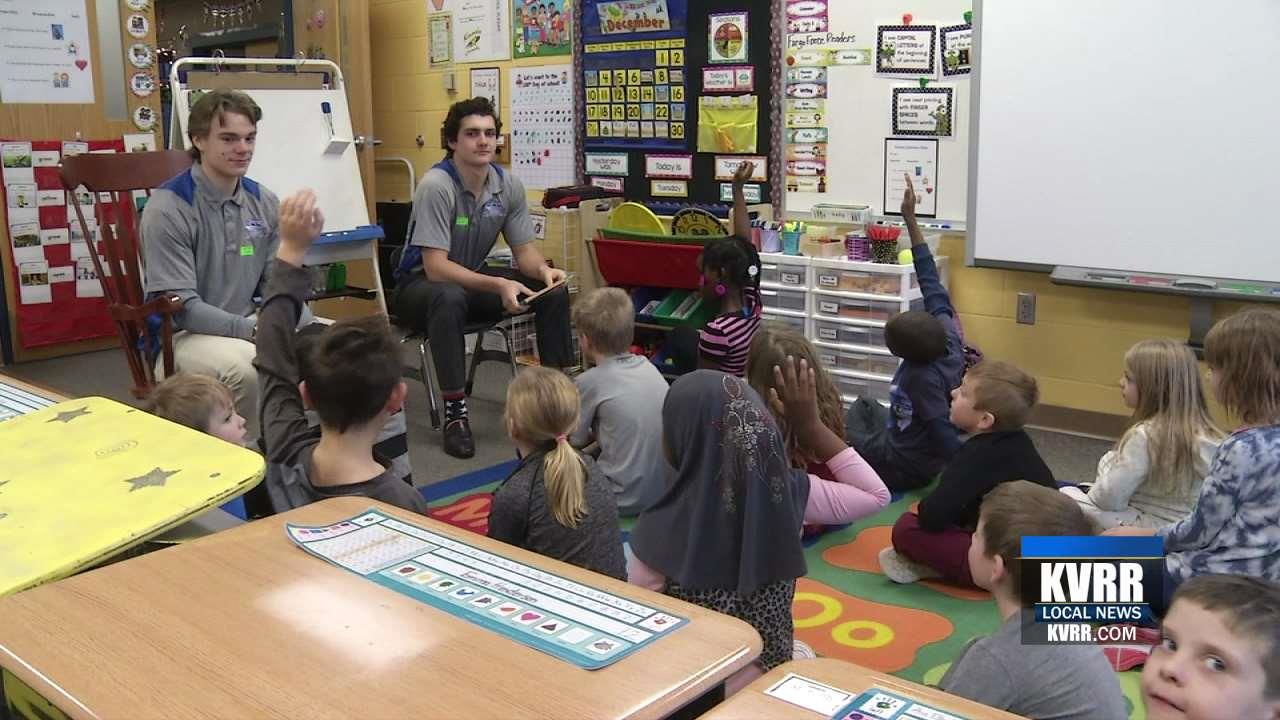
<point x="577" y="623"/>
<point x="635" y="93"/>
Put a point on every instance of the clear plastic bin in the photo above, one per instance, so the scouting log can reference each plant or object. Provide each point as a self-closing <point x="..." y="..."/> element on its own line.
<point x="859" y="281"/>
<point x="857" y="362"/>
<point x="783" y="273"/>
<point x="844" y="334"/>
<point x="858" y="387"/>
<point x="796" y="323"/>
<point x="793" y="300"/>
<point x="849" y="308"/>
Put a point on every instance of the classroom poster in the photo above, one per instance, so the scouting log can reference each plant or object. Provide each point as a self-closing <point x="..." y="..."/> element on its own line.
<point x="806" y="16"/>
<point x="727" y="38"/>
<point x="957" y="46"/>
<point x="540" y="28"/>
<point x="44" y="52"/>
<point x="487" y="82"/>
<point x="439" y="38"/>
<point x="633" y="16"/>
<point x="481" y="28"/>
<point x="906" y="49"/>
<point x="543" y="145"/>
<point x="923" y="111"/>
<point x="917" y="159"/>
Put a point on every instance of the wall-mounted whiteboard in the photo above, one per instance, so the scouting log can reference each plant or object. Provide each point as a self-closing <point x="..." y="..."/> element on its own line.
<point x="1137" y="135"/>
<point x="859" y="112"/>
<point x="290" y="153"/>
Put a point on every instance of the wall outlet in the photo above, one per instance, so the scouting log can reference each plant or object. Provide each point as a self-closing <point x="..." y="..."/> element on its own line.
<point x="1026" y="308"/>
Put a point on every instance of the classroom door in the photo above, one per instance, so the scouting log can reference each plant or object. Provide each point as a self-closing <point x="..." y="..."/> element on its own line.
<point x="344" y="39"/>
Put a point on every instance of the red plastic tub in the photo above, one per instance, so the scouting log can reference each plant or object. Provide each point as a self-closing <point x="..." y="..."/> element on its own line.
<point x="647" y="264"/>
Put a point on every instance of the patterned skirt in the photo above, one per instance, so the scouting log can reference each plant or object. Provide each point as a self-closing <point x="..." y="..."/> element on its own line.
<point x="768" y="610"/>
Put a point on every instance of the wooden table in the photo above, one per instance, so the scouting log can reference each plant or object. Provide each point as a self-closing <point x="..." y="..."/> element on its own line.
<point x="245" y="624"/>
<point x="87" y="479"/>
<point x="751" y="702"/>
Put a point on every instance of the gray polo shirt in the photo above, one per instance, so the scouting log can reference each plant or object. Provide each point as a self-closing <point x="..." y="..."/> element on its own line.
<point x="447" y="216"/>
<point x="211" y="249"/>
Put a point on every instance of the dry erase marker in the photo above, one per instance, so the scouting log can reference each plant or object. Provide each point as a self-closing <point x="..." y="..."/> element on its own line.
<point x="328" y="117"/>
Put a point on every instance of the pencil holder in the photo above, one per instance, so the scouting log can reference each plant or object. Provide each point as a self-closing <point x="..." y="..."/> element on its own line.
<point x="790" y="242"/>
<point x="769" y="241"/>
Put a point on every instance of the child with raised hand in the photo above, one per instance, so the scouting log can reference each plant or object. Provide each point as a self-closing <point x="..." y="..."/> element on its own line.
<point x="912" y="445"/>
<point x="1219" y="654"/>
<point x="1153" y="475"/>
<point x="556" y="502"/>
<point x="199" y="402"/>
<point x="349" y="375"/>
<point x="1232" y="529"/>
<point x="992" y="405"/>
<point x="1063" y="682"/>
<point x="842" y="486"/>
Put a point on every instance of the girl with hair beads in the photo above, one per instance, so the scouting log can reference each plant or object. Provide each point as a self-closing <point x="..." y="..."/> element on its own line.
<point x="555" y="503"/>
<point x="1154" y="473"/>
<point x="1232" y="529"/>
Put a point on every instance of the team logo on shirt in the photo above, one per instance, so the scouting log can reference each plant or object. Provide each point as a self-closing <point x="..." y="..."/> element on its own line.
<point x="255" y="229"/>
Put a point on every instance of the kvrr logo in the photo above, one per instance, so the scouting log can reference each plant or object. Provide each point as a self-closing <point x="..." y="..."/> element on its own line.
<point x="1088" y="582"/>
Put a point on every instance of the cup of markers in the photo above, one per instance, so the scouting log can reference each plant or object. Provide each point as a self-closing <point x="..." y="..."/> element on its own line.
<point x="791" y="232"/>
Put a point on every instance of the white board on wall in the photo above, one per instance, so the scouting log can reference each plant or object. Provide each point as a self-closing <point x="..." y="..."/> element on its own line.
<point x="1137" y="136"/>
<point x="859" y="104"/>
<point x="290" y="152"/>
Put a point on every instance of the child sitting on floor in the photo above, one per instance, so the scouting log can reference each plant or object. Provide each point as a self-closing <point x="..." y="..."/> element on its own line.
<point x="350" y="376"/>
<point x="199" y="402"/>
<point x="1153" y="475"/>
<point x="622" y="398"/>
<point x="1232" y="529"/>
<point x="1064" y="682"/>
<point x="992" y="404"/>
<point x="556" y="502"/>
<point x="1219" y="657"/>
<point x="911" y="443"/>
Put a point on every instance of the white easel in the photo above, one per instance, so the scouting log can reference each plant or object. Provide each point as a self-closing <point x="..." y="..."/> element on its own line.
<point x="299" y="145"/>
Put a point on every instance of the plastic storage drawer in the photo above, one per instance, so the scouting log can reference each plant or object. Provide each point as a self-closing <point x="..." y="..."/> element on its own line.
<point x="857" y="362"/>
<point x="782" y="273"/>
<point x="793" y="300"/>
<point x="851" y="309"/>
<point x="859" y="387"/>
<point x="859" y="281"/>
<point x="845" y="334"/>
<point x="796" y="323"/>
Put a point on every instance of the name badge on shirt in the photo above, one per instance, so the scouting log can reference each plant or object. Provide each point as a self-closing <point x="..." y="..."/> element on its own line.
<point x="255" y="229"/>
<point x="462" y="221"/>
<point x="246" y="251"/>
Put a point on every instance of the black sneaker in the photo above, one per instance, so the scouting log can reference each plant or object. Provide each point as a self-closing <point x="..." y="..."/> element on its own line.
<point x="458" y="441"/>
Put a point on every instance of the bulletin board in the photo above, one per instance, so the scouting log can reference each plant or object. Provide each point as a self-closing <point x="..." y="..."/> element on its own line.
<point x="642" y="68"/>
<point x="863" y="149"/>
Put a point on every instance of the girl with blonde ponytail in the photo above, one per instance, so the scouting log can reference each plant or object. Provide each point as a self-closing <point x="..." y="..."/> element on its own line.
<point x="556" y="502"/>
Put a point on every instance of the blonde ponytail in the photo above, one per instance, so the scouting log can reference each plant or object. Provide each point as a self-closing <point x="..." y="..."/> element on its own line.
<point x="542" y="408"/>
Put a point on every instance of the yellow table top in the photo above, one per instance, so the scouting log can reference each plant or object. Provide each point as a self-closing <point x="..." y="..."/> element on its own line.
<point x="88" y="478"/>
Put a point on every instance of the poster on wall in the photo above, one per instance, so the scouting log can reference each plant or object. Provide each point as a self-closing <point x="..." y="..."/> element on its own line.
<point x="486" y="82"/>
<point x="923" y="111"/>
<point x="727" y="38"/>
<point x="806" y="16"/>
<point x="481" y="28"/>
<point x="917" y="159"/>
<point x="906" y="49"/>
<point x="632" y="16"/>
<point x="540" y="28"/>
<point x="44" y="52"/>
<point x="440" y="38"/>
<point x="957" y="46"/>
<point x="543" y="147"/>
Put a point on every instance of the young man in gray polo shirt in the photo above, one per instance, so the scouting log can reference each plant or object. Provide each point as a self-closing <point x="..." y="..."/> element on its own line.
<point x="208" y="235"/>
<point x="458" y="210"/>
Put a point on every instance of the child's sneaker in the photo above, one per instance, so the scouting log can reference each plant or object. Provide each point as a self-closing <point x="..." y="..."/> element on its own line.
<point x="901" y="570"/>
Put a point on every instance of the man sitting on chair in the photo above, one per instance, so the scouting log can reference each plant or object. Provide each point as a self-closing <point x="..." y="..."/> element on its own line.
<point x="459" y="208"/>
<point x="208" y="236"/>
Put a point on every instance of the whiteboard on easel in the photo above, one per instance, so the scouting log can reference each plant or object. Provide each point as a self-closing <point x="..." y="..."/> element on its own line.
<point x="294" y="150"/>
<point x="859" y="106"/>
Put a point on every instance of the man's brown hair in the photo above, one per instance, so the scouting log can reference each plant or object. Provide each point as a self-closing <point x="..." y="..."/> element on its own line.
<point x="606" y="317"/>
<point x="214" y="104"/>
<point x="1017" y="509"/>
<point x="1243" y="352"/>
<point x="189" y="399"/>
<point x="1005" y="391"/>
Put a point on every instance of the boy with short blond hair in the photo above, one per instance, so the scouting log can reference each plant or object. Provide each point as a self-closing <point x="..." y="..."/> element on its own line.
<point x="992" y="404"/>
<point x="1064" y="682"/>
<point x="199" y="402"/>
<point x="1218" y="656"/>
<point x="622" y="398"/>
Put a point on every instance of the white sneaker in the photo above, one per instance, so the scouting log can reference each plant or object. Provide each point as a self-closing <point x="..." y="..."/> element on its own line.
<point x="802" y="651"/>
<point x="901" y="570"/>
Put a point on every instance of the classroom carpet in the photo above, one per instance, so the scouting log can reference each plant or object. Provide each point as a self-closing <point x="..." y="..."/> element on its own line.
<point x="911" y="631"/>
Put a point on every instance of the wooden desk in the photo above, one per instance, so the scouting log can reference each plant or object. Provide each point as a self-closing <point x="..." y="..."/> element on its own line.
<point x="245" y="624"/>
<point x="87" y="479"/>
<point x="751" y="702"/>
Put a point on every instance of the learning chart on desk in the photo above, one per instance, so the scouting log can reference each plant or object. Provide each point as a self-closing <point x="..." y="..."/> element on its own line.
<point x="15" y="401"/>
<point x="578" y="623"/>
<point x="877" y="704"/>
